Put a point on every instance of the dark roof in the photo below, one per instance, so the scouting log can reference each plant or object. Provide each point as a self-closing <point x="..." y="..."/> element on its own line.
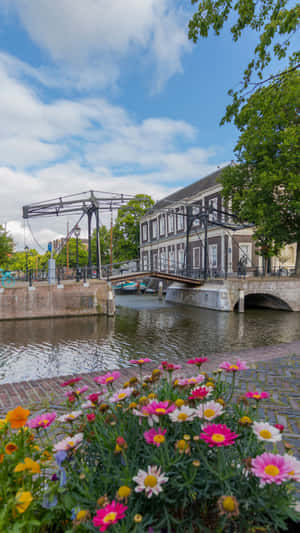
<point x="189" y="190"/>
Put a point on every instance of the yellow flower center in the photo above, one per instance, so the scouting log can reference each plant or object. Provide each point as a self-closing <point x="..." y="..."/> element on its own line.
<point x="110" y="517"/>
<point x="209" y="413"/>
<point x="108" y="380"/>
<point x="159" y="438"/>
<point x="233" y="367"/>
<point x="179" y="402"/>
<point x="45" y="421"/>
<point x="218" y="437"/>
<point x="245" y="420"/>
<point x="71" y="443"/>
<point x="150" y="481"/>
<point x="291" y="473"/>
<point x="81" y="515"/>
<point x="122" y="395"/>
<point x="71" y="416"/>
<point x="265" y="434"/>
<point x="256" y="396"/>
<point x="272" y="470"/>
<point x="160" y="410"/>
<point x="228" y="504"/>
<point x="181" y="445"/>
<point x="138" y="518"/>
<point x="182" y="416"/>
<point x="124" y="491"/>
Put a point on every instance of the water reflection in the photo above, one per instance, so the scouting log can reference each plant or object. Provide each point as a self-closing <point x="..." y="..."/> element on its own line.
<point x="143" y="326"/>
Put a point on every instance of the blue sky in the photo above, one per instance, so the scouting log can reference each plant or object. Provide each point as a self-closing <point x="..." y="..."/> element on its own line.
<point x="108" y="96"/>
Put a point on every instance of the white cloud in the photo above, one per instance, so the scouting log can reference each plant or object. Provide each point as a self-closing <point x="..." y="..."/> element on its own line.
<point x="91" y="37"/>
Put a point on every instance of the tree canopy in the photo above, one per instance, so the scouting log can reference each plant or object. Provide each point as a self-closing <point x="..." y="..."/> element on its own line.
<point x="264" y="186"/>
<point x="6" y="246"/>
<point x="275" y="22"/>
<point x="126" y="231"/>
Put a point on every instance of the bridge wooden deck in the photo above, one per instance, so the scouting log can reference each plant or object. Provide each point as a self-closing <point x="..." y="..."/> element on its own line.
<point x="169" y="276"/>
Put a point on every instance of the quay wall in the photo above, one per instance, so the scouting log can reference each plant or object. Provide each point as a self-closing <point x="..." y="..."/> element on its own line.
<point x="68" y="299"/>
<point x="230" y="294"/>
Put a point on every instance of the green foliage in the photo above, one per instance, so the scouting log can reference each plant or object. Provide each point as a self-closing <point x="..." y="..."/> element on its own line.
<point x="61" y="260"/>
<point x="126" y="231"/>
<point x="264" y="186"/>
<point x="6" y="246"/>
<point x="275" y="22"/>
<point x="104" y="240"/>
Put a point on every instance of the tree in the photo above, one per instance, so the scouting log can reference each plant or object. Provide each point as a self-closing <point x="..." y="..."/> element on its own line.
<point x="264" y="186"/>
<point x="104" y="240"/>
<point x="271" y="19"/>
<point x="61" y="259"/>
<point x="126" y="231"/>
<point x="6" y="246"/>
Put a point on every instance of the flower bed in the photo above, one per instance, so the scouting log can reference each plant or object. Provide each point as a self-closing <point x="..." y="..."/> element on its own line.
<point x="154" y="455"/>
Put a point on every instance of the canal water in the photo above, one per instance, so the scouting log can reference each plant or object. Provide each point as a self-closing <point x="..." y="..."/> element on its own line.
<point x="143" y="326"/>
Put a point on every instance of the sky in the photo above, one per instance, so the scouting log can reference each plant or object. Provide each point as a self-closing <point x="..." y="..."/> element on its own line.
<point x="108" y="96"/>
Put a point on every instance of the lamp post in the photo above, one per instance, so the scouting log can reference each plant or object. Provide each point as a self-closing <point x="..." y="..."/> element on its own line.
<point x="77" y="233"/>
<point x="26" y="252"/>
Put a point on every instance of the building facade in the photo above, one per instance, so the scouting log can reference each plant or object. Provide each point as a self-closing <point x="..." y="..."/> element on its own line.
<point x="163" y="234"/>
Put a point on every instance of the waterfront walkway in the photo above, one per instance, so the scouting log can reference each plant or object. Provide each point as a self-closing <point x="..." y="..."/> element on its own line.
<point x="275" y="369"/>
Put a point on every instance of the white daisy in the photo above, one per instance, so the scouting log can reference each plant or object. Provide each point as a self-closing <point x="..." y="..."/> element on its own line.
<point x="150" y="481"/>
<point x="184" y="414"/>
<point x="69" y="443"/>
<point x="294" y="465"/>
<point x="209" y="410"/>
<point x="69" y="417"/>
<point x="121" y="395"/>
<point x="264" y="431"/>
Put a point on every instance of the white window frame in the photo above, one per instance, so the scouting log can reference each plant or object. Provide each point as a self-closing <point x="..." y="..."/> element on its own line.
<point x="162" y="225"/>
<point x="145" y="262"/>
<point x="180" y="220"/>
<point x="171" y="260"/>
<point x="154" y="229"/>
<point x="247" y="254"/>
<point x="214" y="204"/>
<point x="196" y="211"/>
<point x="171" y="223"/>
<point x="145" y="232"/>
<point x="196" y="250"/>
<point x="163" y="262"/>
<point x="213" y="255"/>
<point x="181" y="258"/>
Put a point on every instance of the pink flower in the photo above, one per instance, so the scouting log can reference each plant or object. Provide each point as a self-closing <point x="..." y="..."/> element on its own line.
<point x="155" y="437"/>
<point x="197" y="361"/>
<point x="110" y="514"/>
<point x="121" y="395"/>
<point x="91" y="417"/>
<point x="199" y="394"/>
<point x="108" y="378"/>
<point x="257" y="395"/>
<point x="234" y="367"/>
<point x="271" y="468"/>
<point x="169" y="367"/>
<point x="294" y="466"/>
<point x="140" y="361"/>
<point x="218" y="435"/>
<point x="70" y="382"/>
<point x="280" y="427"/>
<point x="41" y="421"/>
<point x="154" y="410"/>
<point x="81" y="390"/>
<point x="188" y="382"/>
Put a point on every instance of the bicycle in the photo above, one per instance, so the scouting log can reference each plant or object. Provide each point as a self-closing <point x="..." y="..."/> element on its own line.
<point x="7" y="279"/>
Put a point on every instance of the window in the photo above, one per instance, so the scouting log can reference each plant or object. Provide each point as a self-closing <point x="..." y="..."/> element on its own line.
<point x="162" y="225"/>
<point x="245" y="254"/>
<point x="213" y="204"/>
<point x="196" y="257"/>
<point x="171" y="223"/>
<point x="154" y="229"/>
<point x="145" y="232"/>
<point x="145" y="262"/>
<point x="213" y="255"/>
<point x="163" y="264"/>
<point x="181" y="258"/>
<point x="196" y="211"/>
<point x="180" y="221"/>
<point x="171" y="260"/>
<point x="155" y="261"/>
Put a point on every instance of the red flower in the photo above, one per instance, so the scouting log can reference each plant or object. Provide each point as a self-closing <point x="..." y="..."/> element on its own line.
<point x="280" y="427"/>
<point x="94" y="397"/>
<point x="121" y="442"/>
<point x="197" y="361"/>
<point x="91" y="417"/>
<point x="110" y="514"/>
<point x="169" y="367"/>
<point x="70" y="382"/>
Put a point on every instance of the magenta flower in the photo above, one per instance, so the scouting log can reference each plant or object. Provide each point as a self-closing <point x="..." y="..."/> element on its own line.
<point x="280" y="427"/>
<point x="91" y="417"/>
<point x="140" y="361"/>
<point x="200" y="393"/>
<point x="169" y="367"/>
<point x="41" y="421"/>
<point x="70" y="382"/>
<point x="234" y="367"/>
<point x="257" y="395"/>
<point x="108" y="378"/>
<point x="188" y="382"/>
<point x="197" y="361"/>
<point x="155" y="437"/>
<point x="94" y="397"/>
<point x="110" y="514"/>
<point x="154" y="410"/>
<point x="271" y="468"/>
<point x="218" y="435"/>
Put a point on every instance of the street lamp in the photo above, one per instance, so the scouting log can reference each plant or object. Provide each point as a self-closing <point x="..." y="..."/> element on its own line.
<point x="77" y="233"/>
<point x="26" y="252"/>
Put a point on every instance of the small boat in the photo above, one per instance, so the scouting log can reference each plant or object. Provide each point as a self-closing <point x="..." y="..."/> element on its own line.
<point x="131" y="287"/>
